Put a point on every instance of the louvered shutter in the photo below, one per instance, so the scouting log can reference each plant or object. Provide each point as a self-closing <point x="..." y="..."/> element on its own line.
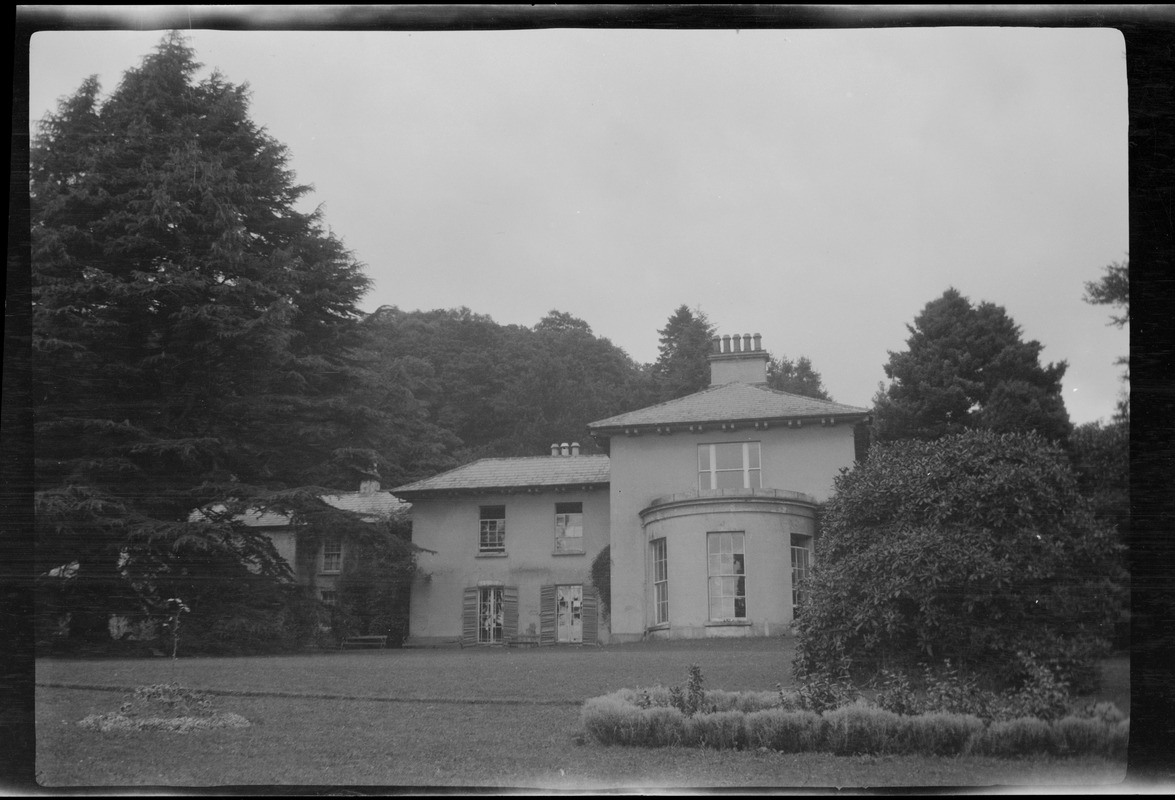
<point x="591" y="614"/>
<point x="547" y="615"/>
<point x="509" y="613"/>
<point x="469" y="618"/>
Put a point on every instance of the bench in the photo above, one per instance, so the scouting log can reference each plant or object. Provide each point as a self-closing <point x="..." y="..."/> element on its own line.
<point x="364" y="641"/>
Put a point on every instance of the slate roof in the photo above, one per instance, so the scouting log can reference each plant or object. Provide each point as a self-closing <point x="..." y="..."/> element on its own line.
<point x="509" y="474"/>
<point x="731" y="402"/>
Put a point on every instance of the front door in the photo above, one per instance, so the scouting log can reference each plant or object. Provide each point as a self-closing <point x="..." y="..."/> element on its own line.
<point x="569" y="614"/>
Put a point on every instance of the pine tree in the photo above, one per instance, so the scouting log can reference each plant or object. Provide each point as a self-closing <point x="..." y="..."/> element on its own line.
<point x="196" y="340"/>
<point x="796" y="377"/>
<point x="682" y="366"/>
<point x="967" y="367"/>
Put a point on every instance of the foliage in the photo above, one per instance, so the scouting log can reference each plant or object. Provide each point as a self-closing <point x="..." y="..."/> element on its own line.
<point x="967" y="367"/>
<point x="989" y="549"/>
<point x="196" y="341"/>
<point x="822" y="689"/>
<point x="796" y="377"/>
<point x="376" y="580"/>
<point x="601" y="573"/>
<point x="506" y="390"/>
<point x="1113" y="289"/>
<point x="682" y="365"/>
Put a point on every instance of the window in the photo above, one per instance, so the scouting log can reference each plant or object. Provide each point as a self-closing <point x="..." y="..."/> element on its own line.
<point x="329" y="597"/>
<point x="491" y="615"/>
<point x="801" y="566"/>
<point x="660" y="583"/>
<point x="492" y="530"/>
<point x="332" y="555"/>
<point x="730" y="465"/>
<point x="728" y="583"/>
<point x="569" y="527"/>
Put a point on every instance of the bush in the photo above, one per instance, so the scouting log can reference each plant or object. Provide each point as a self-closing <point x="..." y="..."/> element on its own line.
<point x="1013" y="738"/>
<point x="939" y="734"/>
<point x="167" y="707"/>
<point x="989" y="549"/>
<point x="785" y="731"/>
<point x="863" y="728"/>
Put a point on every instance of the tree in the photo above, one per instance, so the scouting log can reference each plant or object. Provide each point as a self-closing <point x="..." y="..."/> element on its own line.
<point x="967" y="367"/>
<point x="196" y="341"/>
<point x="796" y="377"/>
<point x="1114" y="290"/>
<point x="682" y="365"/>
<point x="972" y="547"/>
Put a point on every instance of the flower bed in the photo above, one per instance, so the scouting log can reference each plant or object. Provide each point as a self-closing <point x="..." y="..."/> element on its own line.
<point x="166" y="707"/>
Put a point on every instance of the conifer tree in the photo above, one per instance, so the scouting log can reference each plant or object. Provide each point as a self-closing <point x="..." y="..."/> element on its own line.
<point x="968" y="367"/>
<point x="196" y="341"/>
<point x="682" y="366"/>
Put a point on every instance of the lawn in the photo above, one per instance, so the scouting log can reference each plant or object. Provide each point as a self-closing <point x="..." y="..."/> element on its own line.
<point x="493" y="718"/>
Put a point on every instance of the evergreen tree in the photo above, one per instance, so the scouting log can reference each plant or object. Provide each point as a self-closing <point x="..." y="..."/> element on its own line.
<point x="1114" y="290"/>
<point x="196" y="341"/>
<point x="967" y="367"/>
<point x="682" y="366"/>
<point x="796" y="377"/>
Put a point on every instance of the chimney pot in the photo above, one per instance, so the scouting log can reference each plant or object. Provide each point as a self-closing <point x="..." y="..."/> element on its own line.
<point x="738" y="343"/>
<point x="555" y="449"/>
<point x="717" y="344"/>
<point x="746" y="342"/>
<point x="575" y="448"/>
<point x="725" y="344"/>
<point x="566" y="449"/>
<point x="758" y="342"/>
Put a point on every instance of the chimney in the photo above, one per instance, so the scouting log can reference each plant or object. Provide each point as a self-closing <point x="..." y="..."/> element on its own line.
<point x="742" y="360"/>
<point x="555" y="449"/>
<point x="575" y="448"/>
<point x="368" y="487"/>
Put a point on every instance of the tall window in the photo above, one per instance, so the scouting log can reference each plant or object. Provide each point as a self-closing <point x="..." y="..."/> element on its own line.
<point x="492" y="530"/>
<point x="729" y="465"/>
<point x="332" y="555"/>
<point x="660" y="582"/>
<point x="801" y="566"/>
<point x="728" y="582"/>
<point x="490" y="615"/>
<point x="569" y="527"/>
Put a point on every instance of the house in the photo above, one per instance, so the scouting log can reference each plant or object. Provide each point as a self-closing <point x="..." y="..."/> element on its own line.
<point x="321" y="569"/>
<point x="708" y="503"/>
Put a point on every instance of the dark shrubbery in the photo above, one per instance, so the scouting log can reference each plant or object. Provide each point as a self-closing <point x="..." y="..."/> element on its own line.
<point x="975" y="548"/>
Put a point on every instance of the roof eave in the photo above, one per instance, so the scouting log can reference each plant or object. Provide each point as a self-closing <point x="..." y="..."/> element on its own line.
<point x="826" y="419"/>
<point x="466" y="491"/>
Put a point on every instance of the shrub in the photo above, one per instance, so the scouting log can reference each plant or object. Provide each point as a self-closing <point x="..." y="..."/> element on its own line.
<point x="167" y="707"/>
<point x="1012" y="738"/>
<point x="612" y="720"/>
<point x="938" y="734"/>
<point x="988" y="547"/>
<point x="785" y="731"/>
<point x="863" y="728"/>
<point x="1081" y="736"/>
<point x="721" y="730"/>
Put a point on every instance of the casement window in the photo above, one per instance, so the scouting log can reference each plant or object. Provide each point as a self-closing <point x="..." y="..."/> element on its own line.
<point x="727" y="576"/>
<point x="729" y="465"/>
<point x="332" y="555"/>
<point x="801" y="567"/>
<point x="492" y="530"/>
<point x="329" y="597"/>
<point x="568" y="614"/>
<point x="660" y="581"/>
<point x="489" y="615"/>
<point x="569" y="527"/>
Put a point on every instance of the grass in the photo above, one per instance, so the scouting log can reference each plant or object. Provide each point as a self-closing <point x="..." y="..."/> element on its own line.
<point x="488" y="718"/>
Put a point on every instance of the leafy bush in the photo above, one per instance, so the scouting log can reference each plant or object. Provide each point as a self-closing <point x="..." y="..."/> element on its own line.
<point x="602" y="577"/>
<point x="821" y="690"/>
<point x="989" y="549"/>
<point x="939" y="734"/>
<point x="721" y="730"/>
<point x="167" y="707"/>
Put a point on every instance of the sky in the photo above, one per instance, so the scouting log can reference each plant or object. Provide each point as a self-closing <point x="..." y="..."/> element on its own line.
<point x="818" y="187"/>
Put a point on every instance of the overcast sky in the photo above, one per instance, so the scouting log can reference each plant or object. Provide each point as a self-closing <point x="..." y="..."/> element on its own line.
<point x="816" y="186"/>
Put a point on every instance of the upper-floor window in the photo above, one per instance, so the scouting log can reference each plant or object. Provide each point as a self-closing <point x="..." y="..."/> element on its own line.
<point x="569" y="527"/>
<point x="729" y="465"/>
<point x="492" y="530"/>
<point x="332" y="555"/>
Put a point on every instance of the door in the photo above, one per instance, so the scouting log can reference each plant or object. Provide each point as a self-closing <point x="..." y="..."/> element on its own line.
<point x="569" y="614"/>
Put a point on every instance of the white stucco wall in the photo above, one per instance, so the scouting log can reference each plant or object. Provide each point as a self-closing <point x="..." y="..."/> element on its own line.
<point x="450" y="527"/>
<point x="648" y="466"/>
